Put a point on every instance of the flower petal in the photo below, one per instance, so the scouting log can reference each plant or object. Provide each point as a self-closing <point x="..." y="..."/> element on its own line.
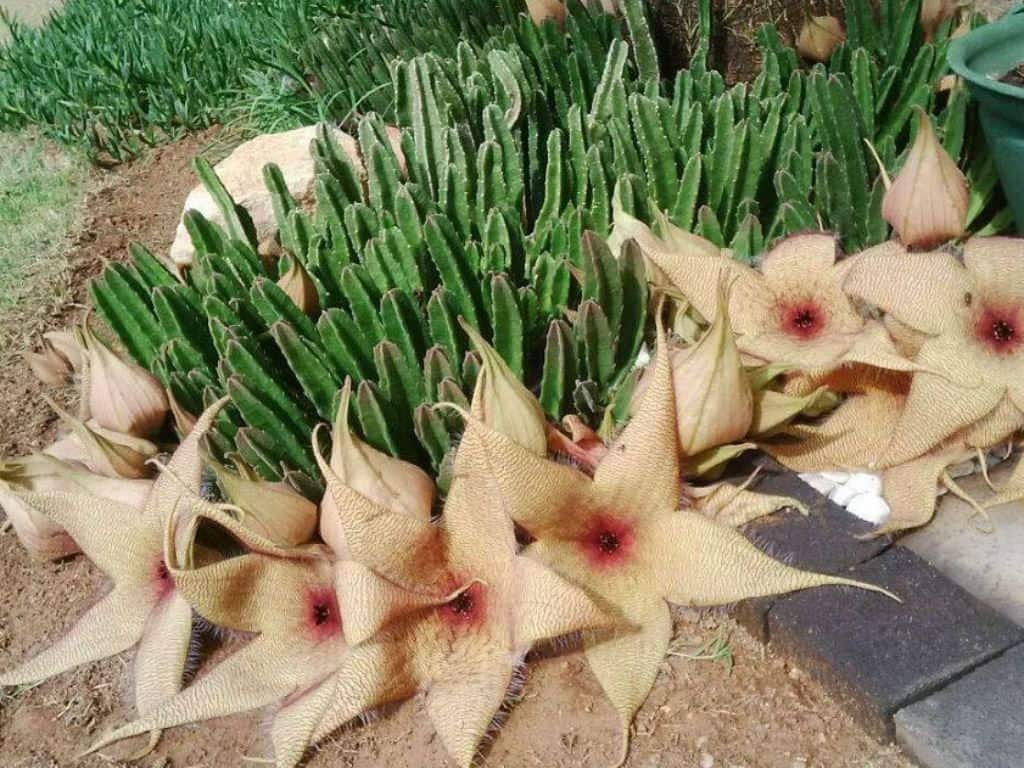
<point x="162" y="653"/>
<point x="626" y="662"/>
<point x="372" y="674"/>
<point x="463" y="705"/>
<point x="184" y="472"/>
<point x="734" y="506"/>
<point x="549" y="606"/>
<point x="538" y="494"/>
<point x="997" y="265"/>
<point x="641" y="470"/>
<point x="921" y="290"/>
<point x="798" y="256"/>
<point x="699" y="562"/>
<point x="392" y="543"/>
<point x="951" y="395"/>
<point x="110" y="627"/>
<point x="253" y="677"/>
<point x="109" y="534"/>
<point x="851" y="437"/>
<point x="699" y="276"/>
<point x="909" y="489"/>
<point x="372" y="602"/>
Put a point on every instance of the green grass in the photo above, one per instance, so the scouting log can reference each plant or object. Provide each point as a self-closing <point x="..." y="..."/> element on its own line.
<point x="41" y="190"/>
<point x="114" y="76"/>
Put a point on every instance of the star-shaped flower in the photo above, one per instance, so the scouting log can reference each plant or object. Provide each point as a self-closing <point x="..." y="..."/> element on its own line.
<point x="792" y="311"/>
<point x="622" y="537"/>
<point x="971" y="319"/>
<point x="449" y="609"/>
<point x="144" y="609"/>
<point x="287" y="598"/>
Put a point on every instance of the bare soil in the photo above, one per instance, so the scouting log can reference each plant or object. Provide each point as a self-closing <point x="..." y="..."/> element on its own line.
<point x="136" y="202"/>
<point x="763" y="713"/>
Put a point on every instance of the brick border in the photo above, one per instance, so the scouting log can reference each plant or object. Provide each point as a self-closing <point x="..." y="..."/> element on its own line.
<point x="895" y="667"/>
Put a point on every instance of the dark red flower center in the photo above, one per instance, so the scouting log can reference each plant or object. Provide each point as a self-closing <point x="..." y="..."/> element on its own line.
<point x="323" y="619"/>
<point x="608" y="542"/>
<point x="466" y="609"/>
<point x="803" y="320"/>
<point x="163" y="582"/>
<point x="1000" y="329"/>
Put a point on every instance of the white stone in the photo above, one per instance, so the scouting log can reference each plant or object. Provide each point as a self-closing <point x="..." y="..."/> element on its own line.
<point x="865" y="482"/>
<point x="241" y="172"/>
<point x="842" y="495"/>
<point x="818" y="482"/>
<point x="870" y="508"/>
<point x="839" y="478"/>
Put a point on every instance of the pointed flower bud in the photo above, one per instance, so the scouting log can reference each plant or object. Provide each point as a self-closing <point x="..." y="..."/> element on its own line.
<point x="927" y="201"/>
<point x="819" y="37"/>
<point x="122" y="396"/>
<point x="184" y="421"/>
<point x="40" y="473"/>
<point x="934" y="13"/>
<point x="392" y="483"/>
<point x="502" y="402"/>
<point x="49" y="366"/>
<point x="275" y="511"/>
<point x="714" y="402"/>
<point x="109" y="453"/>
<point x="546" y="10"/>
<point x="300" y="288"/>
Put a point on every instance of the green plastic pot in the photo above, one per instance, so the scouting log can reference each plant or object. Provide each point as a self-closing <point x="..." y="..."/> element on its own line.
<point x="982" y="58"/>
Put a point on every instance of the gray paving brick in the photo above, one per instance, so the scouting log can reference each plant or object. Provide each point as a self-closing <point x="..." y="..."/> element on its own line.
<point x="876" y="655"/>
<point x="975" y="722"/>
<point x="824" y="540"/>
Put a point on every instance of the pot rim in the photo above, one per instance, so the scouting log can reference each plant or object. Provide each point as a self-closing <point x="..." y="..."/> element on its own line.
<point x="963" y="49"/>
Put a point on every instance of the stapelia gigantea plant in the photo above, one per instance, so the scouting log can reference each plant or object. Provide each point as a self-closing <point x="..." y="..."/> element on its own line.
<point x="512" y="155"/>
<point x="395" y="263"/>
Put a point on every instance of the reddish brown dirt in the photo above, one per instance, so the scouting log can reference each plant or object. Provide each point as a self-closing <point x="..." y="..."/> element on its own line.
<point x="762" y="714"/>
<point x="136" y="202"/>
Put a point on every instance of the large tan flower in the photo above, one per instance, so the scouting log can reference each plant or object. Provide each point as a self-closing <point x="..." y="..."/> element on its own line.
<point x="448" y="609"/>
<point x="792" y="311"/>
<point x="621" y="536"/>
<point x="969" y="316"/>
<point x="144" y="608"/>
<point x="287" y="598"/>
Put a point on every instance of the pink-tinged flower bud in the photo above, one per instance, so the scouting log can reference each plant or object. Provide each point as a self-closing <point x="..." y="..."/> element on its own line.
<point x="392" y="483"/>
<point x="819" y="38"/>
<point x="546" y="10"/>
<point x="300" y="288"/>
<point x="502" y="402"/>
<point x="275" y="511"/>
<point x="121" y="395"/>
<point x="927" y="201"/>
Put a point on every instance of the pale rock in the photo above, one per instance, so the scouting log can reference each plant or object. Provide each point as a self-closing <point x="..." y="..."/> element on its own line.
<point x="839" y="478"/>
<point x="818" y="482"/>
<point x="842" y="495"/>
<point x="242" y="174"/>
<point x="870" y="508"/>
<point x="865" y="482"/>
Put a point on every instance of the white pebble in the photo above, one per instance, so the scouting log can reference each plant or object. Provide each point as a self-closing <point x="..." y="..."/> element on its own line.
<point x="819" y="483"/>
<point x="707" y="761"/>
<point x="836" y="477"/>
<point x="865" y="482"/>
<point x="842" y="495"/>
<point x="870" y="508"/>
